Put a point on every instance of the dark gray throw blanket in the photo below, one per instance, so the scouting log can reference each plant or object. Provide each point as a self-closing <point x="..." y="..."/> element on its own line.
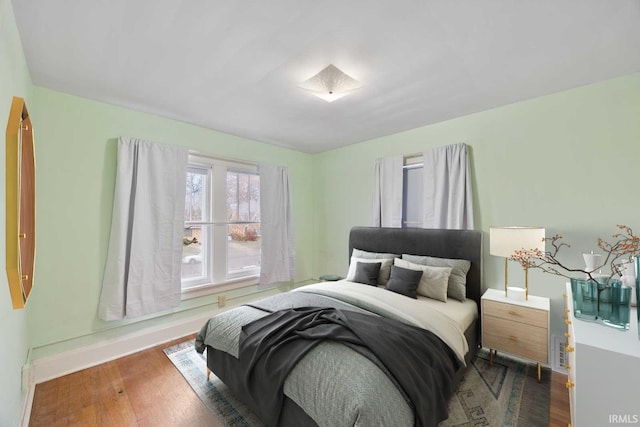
<point x="418" y="360"/>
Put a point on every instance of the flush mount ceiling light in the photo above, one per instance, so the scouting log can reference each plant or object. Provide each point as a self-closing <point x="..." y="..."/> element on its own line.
<point x="330" y="84"/>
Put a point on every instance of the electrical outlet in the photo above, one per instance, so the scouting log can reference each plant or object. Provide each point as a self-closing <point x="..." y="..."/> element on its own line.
<point x="222" y="300"/>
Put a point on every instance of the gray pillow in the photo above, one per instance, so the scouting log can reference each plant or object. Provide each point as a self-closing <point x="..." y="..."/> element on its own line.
<point x="385" y="268"/>
<point x="434" y="281"/>
<point x="367" y="273"/>
<point x="404" y="281"/>
<point x="456" y="288"/>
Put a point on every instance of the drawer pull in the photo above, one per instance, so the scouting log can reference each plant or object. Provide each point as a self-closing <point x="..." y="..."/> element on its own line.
<point x="513" y="313"/>
<point x="567" y="335"/>
<point x="565" y="317"/>
<point x="566" y="310"/>
<point x="569" y="349"/>
<point x="569" y="384"/>
<point x="567" y="322"/>
<point x="565" y="296"/>
<point x="512" y="338"/>
<point x="567" y="366"/>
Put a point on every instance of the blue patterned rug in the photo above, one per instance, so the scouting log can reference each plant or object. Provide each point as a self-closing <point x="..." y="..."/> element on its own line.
<point x="487" y="396"/>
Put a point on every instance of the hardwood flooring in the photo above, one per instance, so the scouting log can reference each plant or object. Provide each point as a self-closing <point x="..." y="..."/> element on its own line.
<point x="145" y="389"/>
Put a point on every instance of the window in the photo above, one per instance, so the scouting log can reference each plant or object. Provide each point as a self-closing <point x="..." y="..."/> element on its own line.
<point x="412" y="192"/>
<point x="221" y="240"/>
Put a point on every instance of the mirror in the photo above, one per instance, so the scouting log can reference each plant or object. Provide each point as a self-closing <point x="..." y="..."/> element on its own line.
<point x="20" y="203"/>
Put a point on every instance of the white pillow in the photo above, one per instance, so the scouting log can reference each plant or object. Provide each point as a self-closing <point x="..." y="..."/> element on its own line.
<point x="434" y="281"/>
<point x="385" y="269"/>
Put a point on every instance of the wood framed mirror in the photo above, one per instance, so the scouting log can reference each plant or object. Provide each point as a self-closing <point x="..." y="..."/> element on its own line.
<point x="20" y="203"/>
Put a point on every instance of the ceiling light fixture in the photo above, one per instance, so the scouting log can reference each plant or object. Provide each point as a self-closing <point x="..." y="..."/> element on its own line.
<point x="331" y="84"/>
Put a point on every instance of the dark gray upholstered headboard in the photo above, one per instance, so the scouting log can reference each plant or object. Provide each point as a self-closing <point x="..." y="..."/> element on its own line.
<point x="457" y="244"/>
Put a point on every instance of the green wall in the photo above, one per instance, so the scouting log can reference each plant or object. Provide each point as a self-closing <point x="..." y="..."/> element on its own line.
<point x="565" y="161"/>
<point x="569" y="162"/>
<point x="14" y="81"/>
<point x="76" y="154"/>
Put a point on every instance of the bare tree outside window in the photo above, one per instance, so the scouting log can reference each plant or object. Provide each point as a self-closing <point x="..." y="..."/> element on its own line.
<point x="221" y="240"/>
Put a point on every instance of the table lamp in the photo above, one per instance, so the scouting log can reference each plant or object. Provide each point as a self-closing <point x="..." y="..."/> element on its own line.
<point x="505" y="241"/>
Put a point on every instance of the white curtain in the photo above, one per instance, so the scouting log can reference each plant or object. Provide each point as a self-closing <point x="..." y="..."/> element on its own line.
<point x="386" y="209"/>
<point x="278" y="251"/>
<point x="144" y="260"/>
<point x="448" y="200"/>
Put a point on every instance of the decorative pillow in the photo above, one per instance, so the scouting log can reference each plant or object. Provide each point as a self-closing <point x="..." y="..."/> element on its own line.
<point x="456" y="288"/>
<point x="434" y="281"/>
<point x="358" y="253"/>
<point x="404" y="281"/>
<point x="385" y="269"/>
<point x="367" y="273"/>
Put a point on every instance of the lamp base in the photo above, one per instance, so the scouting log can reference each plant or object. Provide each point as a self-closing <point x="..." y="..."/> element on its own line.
<point x="516" y="294"/>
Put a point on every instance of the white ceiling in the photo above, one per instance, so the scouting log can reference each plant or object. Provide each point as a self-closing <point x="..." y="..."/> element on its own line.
<point x="235" y="66"/>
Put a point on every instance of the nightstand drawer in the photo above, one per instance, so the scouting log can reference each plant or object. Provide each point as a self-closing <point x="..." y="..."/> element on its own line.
<point x="512" y="312"/>
<point x="517" y="338"/>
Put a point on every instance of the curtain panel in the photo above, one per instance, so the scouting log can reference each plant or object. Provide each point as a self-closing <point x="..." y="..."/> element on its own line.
<point x="386" y="209"/>
<point x="278" y="251"/>
<point x="144" y="259"/>
<point x="448" y="199"/>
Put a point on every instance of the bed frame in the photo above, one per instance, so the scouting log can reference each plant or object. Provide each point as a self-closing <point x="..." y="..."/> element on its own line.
<point x="456" y="244"/>
<point x="460" y="244"/>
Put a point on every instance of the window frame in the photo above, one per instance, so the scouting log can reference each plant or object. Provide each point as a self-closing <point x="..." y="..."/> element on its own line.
<point x="215" y="259"/>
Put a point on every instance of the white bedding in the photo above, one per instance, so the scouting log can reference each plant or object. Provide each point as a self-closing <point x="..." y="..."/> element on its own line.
<point x="446" y="322"/>
<point x="464" y="313"/>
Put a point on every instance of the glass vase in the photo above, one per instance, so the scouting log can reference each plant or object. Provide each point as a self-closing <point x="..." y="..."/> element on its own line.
<point x="585" y="298"/>
<point x="614" y="302"/>
<point x="602" y="299"/>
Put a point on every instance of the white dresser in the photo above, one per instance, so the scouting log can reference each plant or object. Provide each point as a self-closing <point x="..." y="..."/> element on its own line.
<point x="604" y="371"/>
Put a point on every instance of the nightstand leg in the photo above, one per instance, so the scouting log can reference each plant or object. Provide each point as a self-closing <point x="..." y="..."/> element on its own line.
<point x="538" y="372"/>
<point x="208" y="373"/>
<point x="491" y="358"/>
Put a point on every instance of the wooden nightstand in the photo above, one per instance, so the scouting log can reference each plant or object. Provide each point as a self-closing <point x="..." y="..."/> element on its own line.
<point x="520" y="328"/>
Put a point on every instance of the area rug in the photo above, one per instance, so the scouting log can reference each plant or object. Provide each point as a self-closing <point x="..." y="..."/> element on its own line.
<point x="506" y="394"/>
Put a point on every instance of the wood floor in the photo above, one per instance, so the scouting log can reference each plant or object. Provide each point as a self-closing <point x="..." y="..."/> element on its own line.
<point x="145" y="389"/>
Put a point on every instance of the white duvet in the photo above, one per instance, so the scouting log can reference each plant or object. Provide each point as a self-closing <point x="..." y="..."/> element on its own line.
<point x="399" y="307"/>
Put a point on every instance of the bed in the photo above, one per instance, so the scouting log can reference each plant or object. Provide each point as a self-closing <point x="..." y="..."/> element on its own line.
<point x="348" y="354"/>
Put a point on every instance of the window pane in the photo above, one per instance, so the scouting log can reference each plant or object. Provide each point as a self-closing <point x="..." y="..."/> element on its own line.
<point x="232" y="196"/>
<point x="412" y="198"/>
<point x="243" y="197"/>
<point x="193" y="253"/>
<point x="195" y="207"/>
<point x="243" y="249"/>
<point x="254" y="198"/>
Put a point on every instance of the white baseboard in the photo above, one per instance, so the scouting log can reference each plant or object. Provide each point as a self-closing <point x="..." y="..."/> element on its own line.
<point x="26" y="405"/>
<point x="54" y="366"/>
<point x="57" y="365"/>
<point x="60" y="364"/>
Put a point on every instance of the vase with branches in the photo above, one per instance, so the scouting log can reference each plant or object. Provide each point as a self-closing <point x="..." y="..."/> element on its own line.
<point x="621" y="251"/>
<point x="617" y="254"/>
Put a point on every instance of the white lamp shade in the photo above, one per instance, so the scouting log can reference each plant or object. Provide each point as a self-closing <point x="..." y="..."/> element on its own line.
<point x="504" y="241"/>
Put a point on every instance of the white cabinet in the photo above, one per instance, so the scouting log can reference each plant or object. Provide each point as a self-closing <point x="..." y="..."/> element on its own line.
<point x="604" y="371"/>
